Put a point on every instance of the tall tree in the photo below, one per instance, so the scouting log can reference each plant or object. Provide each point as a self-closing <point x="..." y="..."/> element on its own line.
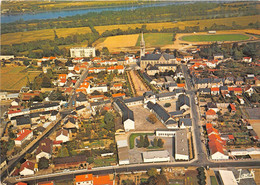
<point x="146" y="141"/>
<point x="160" y="142"/>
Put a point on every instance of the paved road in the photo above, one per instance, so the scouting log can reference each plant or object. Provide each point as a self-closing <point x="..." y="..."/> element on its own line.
<point x="34" y="144"/>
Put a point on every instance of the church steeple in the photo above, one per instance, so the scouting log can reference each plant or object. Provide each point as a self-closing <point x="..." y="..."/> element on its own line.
<point x="142" y="46"/>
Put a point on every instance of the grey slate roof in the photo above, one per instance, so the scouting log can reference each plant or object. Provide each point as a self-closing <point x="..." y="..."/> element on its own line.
<point x="181" y="142"/>
<point x="151" y="57"/>
<point x="148" y="94"/>
<point x="176" y="113"/>
<point x="186" y="121"/>
<point x="165" y="94"/>
<point x="151" y="67"/>
<point x="80" y="97"/>
<point x="223" y="88"/>
<point x="147" y="77"/>
<point x="127" y="113"/>
<point x="205" y="90"/>
<point x="43" y="105"/>
<point x="138" y="98"/>
<point x="159" y="110"/>
<point x="183" y="100"/>
<point x="23" y="120"/>
<point x="80" y="107"/>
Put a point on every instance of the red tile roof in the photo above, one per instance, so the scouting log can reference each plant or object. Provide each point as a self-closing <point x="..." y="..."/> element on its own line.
<point x="27" y="164"/>
<point x="210" y="112"/>
<point x="214" y="89"/>
<point x="102" y="180"/>
<point x="118" y="95"/>
<point x="21" y="135"/>
<point x="83" y="178"/>
<point x="231" y="137"/>
<point x="181" y="85"/>
<point x="215" y="146"/>
<point x="46" y="183"/>
<point x="232" y="106"/>
<point x="21" y="183"/>
<point x="208" y="126"/>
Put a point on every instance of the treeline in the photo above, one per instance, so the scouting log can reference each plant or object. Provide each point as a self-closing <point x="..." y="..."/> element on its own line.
<point x="181" y="12"/>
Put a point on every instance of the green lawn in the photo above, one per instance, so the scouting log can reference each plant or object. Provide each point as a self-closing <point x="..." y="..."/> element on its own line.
<point x="133" y="136"/>
<point x="217" y="37"/>
<point x="213" y="180"/>
<point x="156" y="39"/>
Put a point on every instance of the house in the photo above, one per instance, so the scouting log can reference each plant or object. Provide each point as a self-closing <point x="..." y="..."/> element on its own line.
<point x="54" y="115"/>
<point x="156" y="156"/>
<point x="204" y="91"/>
<point x="126" y="114"/>
<point x="119" y="68"/>
<point x="249" y="90"/>
<point x="218" y="57"/>
<point x="116" y="87"/>
<point x="185" y="123"/>
<point x="211" y="114"/>
<point x="224" y="90"/>
<point x="217" y="151"/>
<point x="239" y="81"/>
<point x="214" y="91"/>
<point x="183" y="102"/>
<point x="238" y="91"/>
<point x="247" y="59"/>
<point x="232" y="108"/>
<point x="21" y="183"/>
<point x="82" y="52"/>
<point x="27" y="168"/>
<point x="46" y="183"/>
<point x="229" y="80"/>
<point x="23" y="121"/>
<point x="44" y="149"/>
<point x="22" y="136"/>
<point x="117" y="95"/>
<point x="66" y="162"/>
<point x="212" y="106"/>
<point x="81" y="99"/>
<point x="62" y="135"/>
<point x="240" y="99"/>
<point x="151" y="70"/>
<point x="187" y="58"/>
<point x="250" y="79"/>
<point x="181" y="145"/>
<point x="86" y="179"/>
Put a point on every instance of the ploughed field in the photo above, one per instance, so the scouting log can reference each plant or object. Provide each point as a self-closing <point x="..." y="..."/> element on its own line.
<point x="215" y="37"/>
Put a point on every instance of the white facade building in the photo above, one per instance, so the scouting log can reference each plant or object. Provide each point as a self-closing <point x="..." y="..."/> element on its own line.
<point x="83" y="52"/>
<point x="156" y="156"/>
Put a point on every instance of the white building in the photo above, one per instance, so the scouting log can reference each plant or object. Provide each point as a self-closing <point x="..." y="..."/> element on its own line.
<point x="23" y="136"/>
<point x="27" y="168"/>
<point x="219" y="156"/>
<point x="62" y="135"/>
<point x="165" y="133"/>
<point x="83" y="52"/>
<point x="181" y="145"/>
<point x="156" y="156"/>
<point x="227" y="177"/>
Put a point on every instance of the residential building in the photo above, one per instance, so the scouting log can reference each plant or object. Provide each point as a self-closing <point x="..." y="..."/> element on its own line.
<point x="211" y="114"/>
<point x="27" y="168"/>
<point x="66" y="162"/>
<point x="86" y="179"/>
<point x="44" y="149"/>
<point x="62" y="135"/>
<point x="23" y="136"/>
<point x="82" y="52"/>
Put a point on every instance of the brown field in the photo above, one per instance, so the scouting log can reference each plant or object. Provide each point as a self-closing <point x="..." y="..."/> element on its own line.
<point x="12" y="78"/>
<point x="118" y="42"/>
<point x="243" y="21"/>
<point x="20" y="37"/>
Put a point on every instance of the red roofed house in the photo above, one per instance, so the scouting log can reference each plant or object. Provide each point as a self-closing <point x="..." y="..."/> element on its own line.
<point x="120" y="69"/>
<point x="208" y="126"/>
<point x="89" y="179"/>
<point x="21" y="183"/>
<point x="212" y="131"/>
<point x="216" y="150"/>
<point x="231" y="137"/>
<point x="84" y="179"/>
<point x="247" y="59"/>
<point x="238" y="91"/>
<point x="232" y="108"/>
<point x="62" y="135"/>
<point x="27" y="168"/>
<point x="181" y="85"/>
<point x="214" y="90"/>
<point x="116" y="87"/>
<point x="211" y="114"/>
<point x="39" y="63"/>
<point x="241" y="101"/>
<point x="118" y="95"/>
<point x="46" y="183"/>
<point x="22" y="136"/>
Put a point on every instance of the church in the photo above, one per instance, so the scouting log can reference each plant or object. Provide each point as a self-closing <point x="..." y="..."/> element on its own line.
<point x="153" y="59"/>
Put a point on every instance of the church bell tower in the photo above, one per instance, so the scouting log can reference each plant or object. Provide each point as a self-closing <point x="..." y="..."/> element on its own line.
<point x="142" y="46"/>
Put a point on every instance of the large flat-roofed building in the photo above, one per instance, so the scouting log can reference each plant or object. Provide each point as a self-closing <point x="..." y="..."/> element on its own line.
<point x="181" y="145"/>
<point x="227" y="177"/>
<point x="82" y="52"/>
<point x="156" y="156"/>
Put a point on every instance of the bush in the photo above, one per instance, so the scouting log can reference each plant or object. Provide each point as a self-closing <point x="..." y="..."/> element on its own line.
<point x="167" y="105"/>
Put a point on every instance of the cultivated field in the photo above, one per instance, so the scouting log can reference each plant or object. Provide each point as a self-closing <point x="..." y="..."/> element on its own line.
<point x="243" y="21"/>
<point x="118" y="43"/>
<point x="20" y="37"/>
<point x="156" y="39"/>
<point x="13" y="78"/>
<point x="217" y="37"/>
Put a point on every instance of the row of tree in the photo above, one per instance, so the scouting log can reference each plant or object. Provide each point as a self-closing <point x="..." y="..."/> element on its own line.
<point x="145" y="142"/>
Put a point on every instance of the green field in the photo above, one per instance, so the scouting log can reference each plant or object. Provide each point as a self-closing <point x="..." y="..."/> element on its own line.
<point x="156" y="39"/>
<point x="13" y="78"/>
<point x="133" y="136"/>
<point x="213" y="180"/>
<point x="218" y="37"/>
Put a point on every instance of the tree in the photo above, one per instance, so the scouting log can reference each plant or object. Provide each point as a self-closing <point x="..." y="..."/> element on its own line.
<point x="105" y="51"/>
<point x="26" y="62"/>
<point x="158" y="180"/>
<point x="155" y="142"/>
<point x="140" y="144"/>
<point x="152" y="118"/>
<point x="90" y="160"/>
<point x="178" y="80"/>
<point x="109" y="121"/>
<point x="160" y="143"/>
<point x="146" y="141"/>
<point x="152" y="172"/>
<point x="43" y="163"/>
<point x="63" y="152"/>
<point x="167" y="104"/>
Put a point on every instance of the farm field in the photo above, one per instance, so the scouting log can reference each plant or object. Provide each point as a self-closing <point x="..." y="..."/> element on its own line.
<point x="156" y="39"/>
<point x="20" y="37"/>
<point x="243" y="21"/>
<point x="217" y="37"/>
<point x="117" y="42"/>
<point x="13" y="78"/>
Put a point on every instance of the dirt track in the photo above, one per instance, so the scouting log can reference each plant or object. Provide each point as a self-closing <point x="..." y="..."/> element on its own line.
<point x="138" y="84"/>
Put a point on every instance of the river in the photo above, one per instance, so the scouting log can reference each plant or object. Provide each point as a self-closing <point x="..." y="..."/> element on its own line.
<point x="65" y="13"/>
